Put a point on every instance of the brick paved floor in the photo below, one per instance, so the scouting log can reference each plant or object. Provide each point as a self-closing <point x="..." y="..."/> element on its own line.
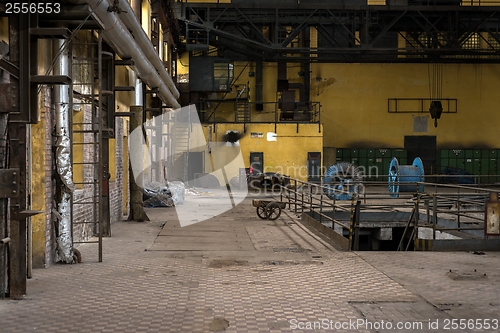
<point x="238" y="273"/>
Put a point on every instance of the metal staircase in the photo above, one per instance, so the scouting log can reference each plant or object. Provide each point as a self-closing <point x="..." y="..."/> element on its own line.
<point x="181" y="134"/>
<point x="242" y="110"/>
<point x="410" y="233"/>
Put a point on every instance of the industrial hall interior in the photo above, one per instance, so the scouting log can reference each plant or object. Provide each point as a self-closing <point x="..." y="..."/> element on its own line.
<point x="233" y="149"/>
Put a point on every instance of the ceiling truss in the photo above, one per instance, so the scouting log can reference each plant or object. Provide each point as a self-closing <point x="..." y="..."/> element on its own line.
<point x="357" y="34"/>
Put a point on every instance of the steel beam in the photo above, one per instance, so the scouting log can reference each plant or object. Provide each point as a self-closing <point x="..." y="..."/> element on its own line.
<point x="50" y="79"/>
<point x="17" y="255"/>
<point x="12" y="69"/>
<point x="356" y="33"/>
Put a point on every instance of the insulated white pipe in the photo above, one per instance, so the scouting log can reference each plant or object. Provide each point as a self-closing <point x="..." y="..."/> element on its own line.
<point x="138" y="100"/>
<point x="118" y="35"/>
<point x="128" y="17"/>
<point x="63" y="154"/>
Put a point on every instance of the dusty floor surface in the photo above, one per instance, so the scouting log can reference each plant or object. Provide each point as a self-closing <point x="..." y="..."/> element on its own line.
<point x="238" y="273"/>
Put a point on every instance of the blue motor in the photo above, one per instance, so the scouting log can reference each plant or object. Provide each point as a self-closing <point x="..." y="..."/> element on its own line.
<point x="342" y="180"/>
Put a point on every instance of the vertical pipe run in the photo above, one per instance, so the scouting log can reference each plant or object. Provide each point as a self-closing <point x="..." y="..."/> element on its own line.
<point x="302" y="200"/>
<point x="351" y="224"/>
<point x="414" y="234"/>
<point x="295" y="197"/>
<point x="259" y="85"/>
<point x="30" y="250"/>
<point x="458" y="208"/>
<point x="435" y="218"/>
<point x="321" y="208"/>
<point x="63" y="155"/>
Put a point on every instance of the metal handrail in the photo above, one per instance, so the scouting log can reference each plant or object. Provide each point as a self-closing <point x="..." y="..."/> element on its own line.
<point x="315" y="201"/>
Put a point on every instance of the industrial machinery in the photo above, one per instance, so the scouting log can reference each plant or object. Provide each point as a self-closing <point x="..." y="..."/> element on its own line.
<point x="404" y="178"/>
<point x="342" y="180"/>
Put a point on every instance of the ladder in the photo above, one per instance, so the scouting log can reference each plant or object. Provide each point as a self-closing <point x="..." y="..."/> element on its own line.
<point x="86" y="102"/>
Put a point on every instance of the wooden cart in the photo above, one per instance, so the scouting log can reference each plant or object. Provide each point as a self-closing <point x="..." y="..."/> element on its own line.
<point x="268" y="209"/>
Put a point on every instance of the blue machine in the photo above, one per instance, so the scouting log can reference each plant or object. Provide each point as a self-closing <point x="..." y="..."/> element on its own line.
<point x="404" y="178"/>
<point x="342" y="180"/>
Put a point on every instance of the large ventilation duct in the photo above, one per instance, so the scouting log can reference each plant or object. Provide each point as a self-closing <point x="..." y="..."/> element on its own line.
<point x="63" y="156"/>
<point x="118" y="35"/>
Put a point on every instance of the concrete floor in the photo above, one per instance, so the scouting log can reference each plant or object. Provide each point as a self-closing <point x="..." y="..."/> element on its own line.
<point x="238" y="273"/>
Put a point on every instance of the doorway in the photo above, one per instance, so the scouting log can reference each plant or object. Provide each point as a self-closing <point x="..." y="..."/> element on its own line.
<point x="425" y="147"/>
<point x="196" y="164"/>
<point x="257" y="162"/>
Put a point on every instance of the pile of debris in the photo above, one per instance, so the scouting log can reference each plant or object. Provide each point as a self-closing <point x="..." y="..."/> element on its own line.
<point x="163" y="195"/>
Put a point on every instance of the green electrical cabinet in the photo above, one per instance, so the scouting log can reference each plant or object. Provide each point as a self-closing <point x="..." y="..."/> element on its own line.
<point x="371" y="169"/>
<point x="382" y="160"/>
<point x="469" y="161"/>
<point x="363" y="162"/>
<point x="459" y="156"/>
<point x="354" y="157"/>
<point x="339" y="155"/>
<point x="444" y="158"/>
<point x="450" y="163"/>
<point x="401" y="154"/>
<point x="490" y="156"/>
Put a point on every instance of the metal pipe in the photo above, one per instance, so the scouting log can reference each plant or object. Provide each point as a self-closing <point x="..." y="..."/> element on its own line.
<point x="4" y="240"/>
<point x="131" y="22"/>
<point x="29" y="273"/>
<point x="63" y="154"/>
<point x="136" y="7"/>
<point x="119" y="36"/>
<point x="138" y="100"/>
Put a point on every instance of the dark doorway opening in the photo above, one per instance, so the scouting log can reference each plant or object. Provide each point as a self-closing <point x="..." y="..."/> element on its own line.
<point x="257" y="162"/>
<point x="425" y="147"/>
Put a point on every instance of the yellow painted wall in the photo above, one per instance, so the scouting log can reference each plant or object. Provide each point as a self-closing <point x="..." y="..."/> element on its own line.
<point x="4" y="29"/>
<point x="125" y="184"/>
<point x="354" y="100"/>
<point x="38" y="193"/>
<point x="123" y="100"/>
<point x="38" y="181"/>
<point x="78" y="148"/>
<point x="287" y="155"/>
<point x="146" y="17"/>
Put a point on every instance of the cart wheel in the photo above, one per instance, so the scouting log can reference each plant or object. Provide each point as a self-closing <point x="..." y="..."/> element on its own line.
<point x="261" y="212"/>
<point x="273" y="210"/>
